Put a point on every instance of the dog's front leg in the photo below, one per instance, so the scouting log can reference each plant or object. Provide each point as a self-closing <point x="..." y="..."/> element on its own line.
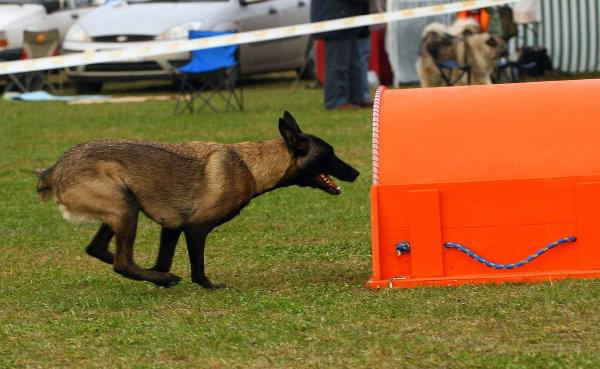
<point x="195" y="237"/>
<point x="168" y="241"/>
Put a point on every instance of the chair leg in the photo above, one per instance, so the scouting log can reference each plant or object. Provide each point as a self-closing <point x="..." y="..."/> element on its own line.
<point x="185" y="100"/>
<point x="233" y="100"/>
<point x="239" y="96"/>
<point x="446" y="76"/>
<point x="219" y="85"/>
<point x="14" y="80"/>
<point x="47" y="83"/>
<point x="240" y="99"/>
<point x="230" y="86"/>
<point x="207" y="91"/>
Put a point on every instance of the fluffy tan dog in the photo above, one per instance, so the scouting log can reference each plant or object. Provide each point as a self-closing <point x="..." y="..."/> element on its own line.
<point x="462" y="44"/>
<point x="482" y="52"/>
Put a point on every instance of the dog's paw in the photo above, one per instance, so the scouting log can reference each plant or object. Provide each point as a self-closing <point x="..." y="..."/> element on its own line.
<point x="156" y="268"/>
<point x="206" y="283"/>
<point x="216" y="286"/>
<point x="168" y="280"/>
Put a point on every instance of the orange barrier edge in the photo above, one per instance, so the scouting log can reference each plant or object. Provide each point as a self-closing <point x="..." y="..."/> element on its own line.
<point x="482" y="278"/>
<point x="375" y="260"/>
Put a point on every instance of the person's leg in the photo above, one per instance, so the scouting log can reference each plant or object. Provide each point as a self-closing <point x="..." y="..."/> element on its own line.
<point x="338" y="56"/>
<point x="359" y="92"/>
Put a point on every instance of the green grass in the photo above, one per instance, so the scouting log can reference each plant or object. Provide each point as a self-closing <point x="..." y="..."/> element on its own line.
<point x="295" y="261"/>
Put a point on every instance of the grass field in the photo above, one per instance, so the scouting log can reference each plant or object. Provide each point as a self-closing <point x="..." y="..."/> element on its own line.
<point x="294" y="261"/>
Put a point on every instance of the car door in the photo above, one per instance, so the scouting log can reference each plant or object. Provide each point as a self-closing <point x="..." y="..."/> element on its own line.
<point x="293" y="49"/>
<point x="259" y="56"/>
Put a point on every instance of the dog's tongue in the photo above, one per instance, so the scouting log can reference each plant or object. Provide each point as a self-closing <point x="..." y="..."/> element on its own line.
<point x="329" y="184"/>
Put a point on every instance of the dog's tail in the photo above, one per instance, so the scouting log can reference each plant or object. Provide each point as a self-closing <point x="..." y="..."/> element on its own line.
<point x="44" y="184"/>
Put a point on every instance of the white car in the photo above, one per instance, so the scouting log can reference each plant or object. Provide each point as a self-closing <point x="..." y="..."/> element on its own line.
<point x="17" y="16"/>
<point x="135" y="23"/>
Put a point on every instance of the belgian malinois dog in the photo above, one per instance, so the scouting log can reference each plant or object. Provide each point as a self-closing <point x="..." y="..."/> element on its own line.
<point x="189" y="187"/>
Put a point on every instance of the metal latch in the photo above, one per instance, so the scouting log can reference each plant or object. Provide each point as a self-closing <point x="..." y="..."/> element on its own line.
<point x="402" y="246"/>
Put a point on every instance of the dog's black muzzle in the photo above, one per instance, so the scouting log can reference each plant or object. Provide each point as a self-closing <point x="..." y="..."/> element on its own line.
<point x="339" y="169"/>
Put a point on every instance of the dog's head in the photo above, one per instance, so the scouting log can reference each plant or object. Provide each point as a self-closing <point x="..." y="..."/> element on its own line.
<point x="438" y="42"/>
<point x="314" y="159"/>
<point x="495" y="47"/>
<point x="464" y="27"/>
<point x="440" y="47"/>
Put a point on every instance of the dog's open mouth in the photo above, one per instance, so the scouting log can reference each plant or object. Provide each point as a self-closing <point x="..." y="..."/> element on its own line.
<point x="326" y="183"/>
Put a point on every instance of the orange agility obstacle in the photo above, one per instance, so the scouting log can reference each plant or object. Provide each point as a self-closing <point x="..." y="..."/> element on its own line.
<point x="482" y="184"/>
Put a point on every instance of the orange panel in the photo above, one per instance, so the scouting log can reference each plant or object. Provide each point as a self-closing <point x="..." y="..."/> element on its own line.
<point x="588" y="229"/>
<point x="425" y="233"/>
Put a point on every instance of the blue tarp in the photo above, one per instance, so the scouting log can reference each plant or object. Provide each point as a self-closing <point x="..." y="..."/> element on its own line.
<point x="45" y="96"/>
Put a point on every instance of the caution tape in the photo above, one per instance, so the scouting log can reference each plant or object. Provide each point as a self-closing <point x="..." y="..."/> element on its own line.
<point x="175" y="46"/>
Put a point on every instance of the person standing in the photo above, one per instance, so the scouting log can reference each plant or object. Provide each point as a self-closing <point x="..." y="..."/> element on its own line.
<point x="346" y="54"/>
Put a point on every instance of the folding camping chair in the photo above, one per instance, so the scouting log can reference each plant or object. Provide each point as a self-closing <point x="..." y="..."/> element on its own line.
<point x="211" y="74"/>
<point x="447" y="67"/>
<point x="36" y="44"/>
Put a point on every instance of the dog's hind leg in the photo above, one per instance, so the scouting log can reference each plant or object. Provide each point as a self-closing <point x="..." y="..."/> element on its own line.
<point x="195" y="237"/>
<point x="168" y="241"/>
<point x="125" y="229"/>
<point x="98" y="247"/>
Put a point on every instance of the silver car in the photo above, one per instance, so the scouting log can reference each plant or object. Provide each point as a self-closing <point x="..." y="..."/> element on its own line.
<point x="135" y="23"/>
<point x="17" y="16"/>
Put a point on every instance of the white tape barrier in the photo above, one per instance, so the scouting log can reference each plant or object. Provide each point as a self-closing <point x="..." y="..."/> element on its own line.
<point x="172" y="47"/>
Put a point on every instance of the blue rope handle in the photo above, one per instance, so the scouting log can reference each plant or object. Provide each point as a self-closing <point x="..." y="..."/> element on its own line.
<point x="454" y="245"/>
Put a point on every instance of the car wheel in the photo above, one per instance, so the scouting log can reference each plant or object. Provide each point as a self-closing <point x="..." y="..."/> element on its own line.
<point x="87" y="87"/>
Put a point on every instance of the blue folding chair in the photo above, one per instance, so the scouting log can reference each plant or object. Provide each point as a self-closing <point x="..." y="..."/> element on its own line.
<point x="447" y="69"/>
<point x="210" y="74"/>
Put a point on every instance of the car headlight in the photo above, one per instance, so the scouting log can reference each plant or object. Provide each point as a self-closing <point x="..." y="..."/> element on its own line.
<point x="78" y="34"/>
<point x="180" y="31"/>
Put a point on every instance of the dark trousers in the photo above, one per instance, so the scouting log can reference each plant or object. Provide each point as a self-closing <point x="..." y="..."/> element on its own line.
<point x="346" y="72"/>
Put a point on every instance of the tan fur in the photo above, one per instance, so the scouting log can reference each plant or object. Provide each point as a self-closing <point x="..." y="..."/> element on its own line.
<point x="95" y="189"/>
<point x="482" y="57"/>
<point x="464" y="27"/>
<point x="265" y="176"/>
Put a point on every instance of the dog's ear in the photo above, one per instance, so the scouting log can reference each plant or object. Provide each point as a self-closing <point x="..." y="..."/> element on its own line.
<point x="287" y="116"/>
<point x="292" y="134"/>
<point x="491" y="42"/>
